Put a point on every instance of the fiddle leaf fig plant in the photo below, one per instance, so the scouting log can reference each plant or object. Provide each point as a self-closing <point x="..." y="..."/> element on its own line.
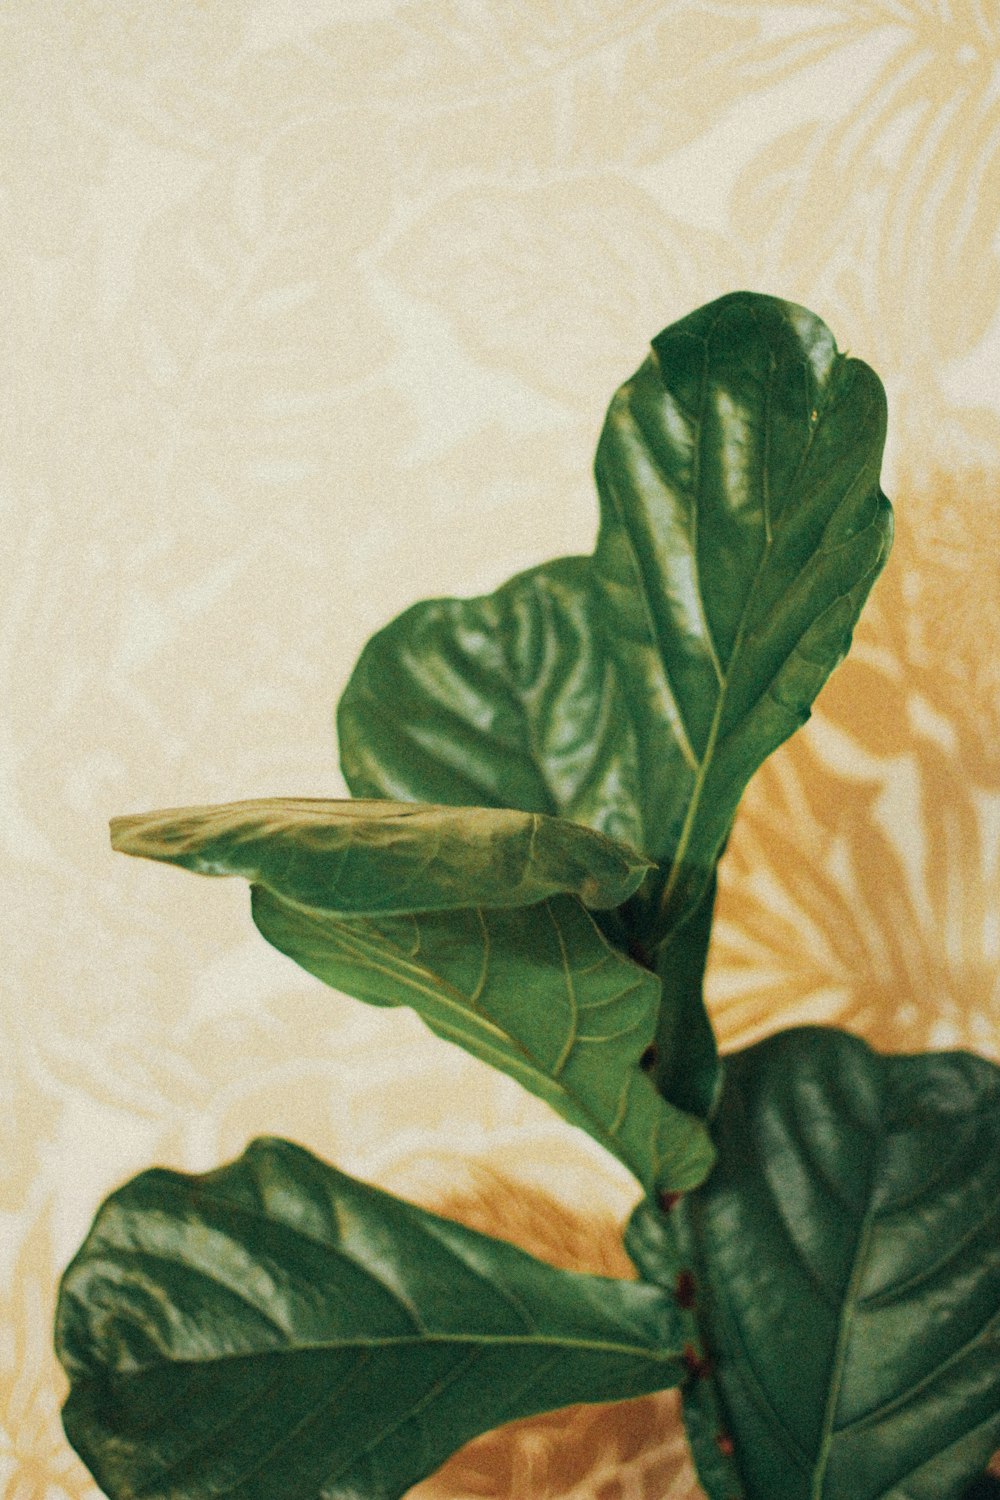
<point x="543" y="782"/>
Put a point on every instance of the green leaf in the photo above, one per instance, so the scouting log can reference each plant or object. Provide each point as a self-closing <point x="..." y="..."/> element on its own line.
<point x="535" y="991"/>
<point x="847" y="1253"/>
<point x="276" y="1330"/>
<point x="742" y="527"/>
<point x="509" y="700"/>
<point x="532" y="989"/>
<point x="637" y="691"/>
<point x="387" y="857"/>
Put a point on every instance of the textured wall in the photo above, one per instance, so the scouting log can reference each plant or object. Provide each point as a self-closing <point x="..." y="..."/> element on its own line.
<point x="313" y="308"/>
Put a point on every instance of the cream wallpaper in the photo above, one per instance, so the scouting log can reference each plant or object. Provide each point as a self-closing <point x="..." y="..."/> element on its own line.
<point x="313" y="308"/>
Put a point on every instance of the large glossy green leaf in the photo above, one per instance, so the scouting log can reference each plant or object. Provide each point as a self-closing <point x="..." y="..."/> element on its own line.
<point x="387" y="857"/>
<point x="742" y="526"/>
<point x="509" y="700"/>
<point x="276" y="1330"/>
<point x="846" y="1251"/>
<point x="535" y="991"/>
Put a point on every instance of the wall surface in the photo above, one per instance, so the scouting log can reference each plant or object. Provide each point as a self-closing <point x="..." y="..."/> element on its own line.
<point x="313" y="308"/>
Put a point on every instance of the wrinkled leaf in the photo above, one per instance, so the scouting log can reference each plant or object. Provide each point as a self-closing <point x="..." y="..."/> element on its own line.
<point x="532" y="989"/>
<point x="387" y="857"/>
<point x="276" y="1330"/>
<point x="847" y="1253"/>
<point x="535" y="991"/>
<point x="742" y="526"/>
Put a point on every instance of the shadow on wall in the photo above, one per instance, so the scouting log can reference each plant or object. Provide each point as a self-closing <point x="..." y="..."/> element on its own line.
<point x="859" y="885"/>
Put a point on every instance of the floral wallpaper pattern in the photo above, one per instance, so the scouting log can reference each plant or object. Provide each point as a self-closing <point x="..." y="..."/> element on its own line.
<point x="312" y="309"/>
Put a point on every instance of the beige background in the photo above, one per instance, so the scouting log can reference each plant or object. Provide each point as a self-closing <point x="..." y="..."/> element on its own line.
<point x="312" y="308"/>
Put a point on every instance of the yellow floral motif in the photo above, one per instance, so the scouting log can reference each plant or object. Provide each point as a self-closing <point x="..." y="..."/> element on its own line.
<point x="907" y="156"/>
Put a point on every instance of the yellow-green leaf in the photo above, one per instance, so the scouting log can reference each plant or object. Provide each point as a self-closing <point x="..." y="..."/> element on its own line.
<point x="368" y="856"/>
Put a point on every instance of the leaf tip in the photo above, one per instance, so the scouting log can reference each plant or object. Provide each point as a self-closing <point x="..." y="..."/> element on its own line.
<point x="125" y="833"/>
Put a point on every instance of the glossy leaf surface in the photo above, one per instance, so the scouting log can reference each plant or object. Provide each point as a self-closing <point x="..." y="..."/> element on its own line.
<point x="535" y="991"/>
<point x="387" y="857"/>
<point x="509" y="700"/>
<point x="847" y="1251"/>
<point x="276" y="1330"/>
<point x="741" y="528"/>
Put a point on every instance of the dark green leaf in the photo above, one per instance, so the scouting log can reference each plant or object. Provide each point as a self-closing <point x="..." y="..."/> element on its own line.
<point x="535" y="991"/>
<point x="637" y="691"/>
<point x="848" y="1250"/>
<point x="507" y="701"/>
<point x="276" y="1330"/>
<point x="741" y="528"/>
<point x="387" y="857"/>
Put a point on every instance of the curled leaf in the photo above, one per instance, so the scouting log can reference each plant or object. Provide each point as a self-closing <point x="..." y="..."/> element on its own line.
<point x="372" y="857"/>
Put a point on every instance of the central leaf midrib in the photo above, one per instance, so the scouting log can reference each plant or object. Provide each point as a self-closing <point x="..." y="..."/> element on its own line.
<point x="848" y="1310"/>
<point x="652" y="1354"/>
<point x="723" y="676"/>
<point x="705" y="765"/>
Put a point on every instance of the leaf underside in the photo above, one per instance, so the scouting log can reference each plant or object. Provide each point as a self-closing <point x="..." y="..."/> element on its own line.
<point x="847" y="1247"/>
<point x="376" y="856"/>
<point x="276" y="1330"/>
<point x="535" y="991"/>
<point x="379" y="900"/>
